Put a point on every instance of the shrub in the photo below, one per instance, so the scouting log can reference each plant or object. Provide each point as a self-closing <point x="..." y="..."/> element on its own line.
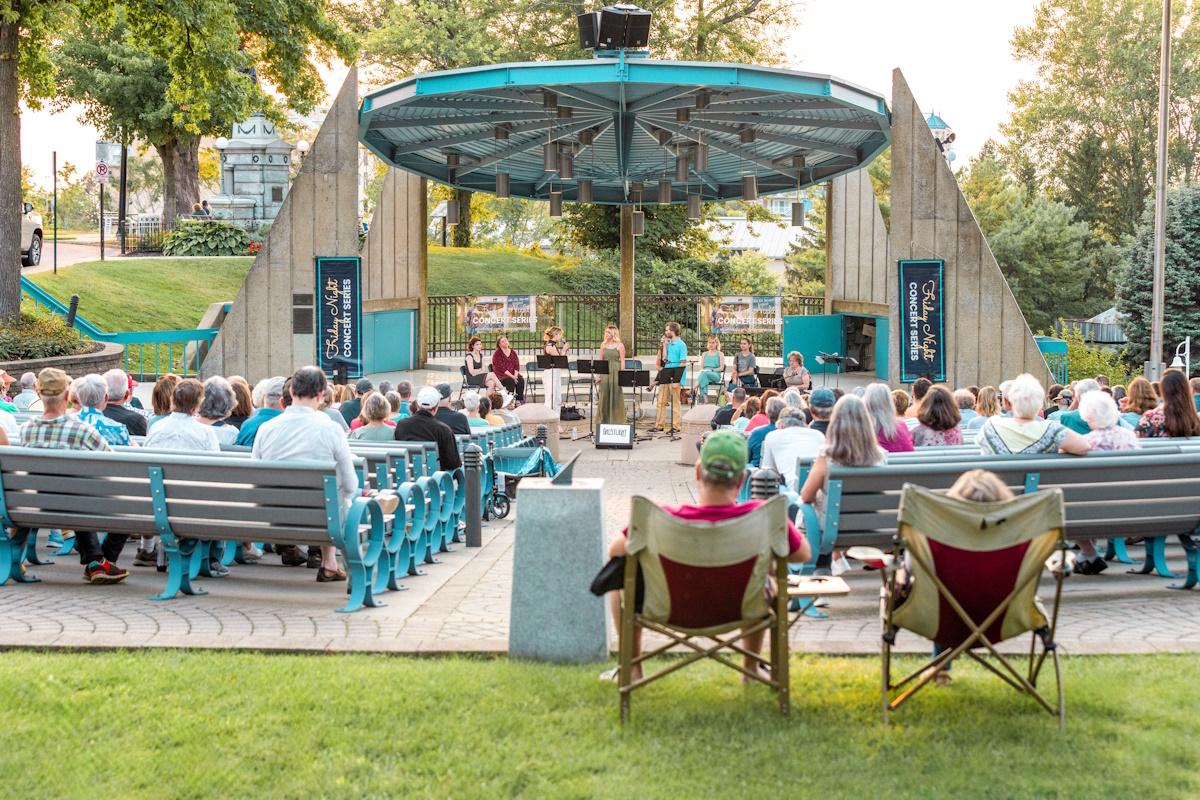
<point x="39" y="335"/>
<point x="1087" y="361"/>
<point x="198" y="238"/>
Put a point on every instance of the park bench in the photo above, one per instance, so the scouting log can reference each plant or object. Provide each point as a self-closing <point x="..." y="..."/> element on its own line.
<point x="1153" y="493"/>
<point x="185" y="498"/>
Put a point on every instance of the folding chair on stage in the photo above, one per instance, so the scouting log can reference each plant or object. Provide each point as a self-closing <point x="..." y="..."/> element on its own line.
<point x="706" y="581"/>
<point x="965" y="575"/>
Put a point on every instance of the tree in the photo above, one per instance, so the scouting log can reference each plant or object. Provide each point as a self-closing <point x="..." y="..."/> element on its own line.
<point x="750" y="275"/>
<point x="990" y="192"/>
<point x="124" y="72"/>
<point x="1091" y="114"/>
<point x="669" y="234"/>
<point x="1181" y="312"/>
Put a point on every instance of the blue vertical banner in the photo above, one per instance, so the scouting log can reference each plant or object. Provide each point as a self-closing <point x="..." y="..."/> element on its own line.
<point x="339" y="315"/>
<point x="922" y="320"/>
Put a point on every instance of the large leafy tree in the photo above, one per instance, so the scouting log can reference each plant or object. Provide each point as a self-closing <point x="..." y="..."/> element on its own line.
<point x="1084" y="128"/>
<point x="1181" y="312"/>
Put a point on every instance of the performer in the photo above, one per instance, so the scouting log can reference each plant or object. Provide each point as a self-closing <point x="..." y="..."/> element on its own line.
<point x="610" y="405"/>
<point x="553" y="345"/>
<point x="476" y="375"/>
<point x="744" y="366"/>
<point x="712" y="367"/>
<point x="672" y="352"/>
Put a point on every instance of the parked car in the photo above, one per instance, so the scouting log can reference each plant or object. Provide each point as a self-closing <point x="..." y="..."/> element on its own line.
<point x="31" y="236"/>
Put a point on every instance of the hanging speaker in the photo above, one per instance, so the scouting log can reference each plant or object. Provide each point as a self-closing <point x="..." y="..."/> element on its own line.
<point x="550" y="157"/>
<point x="693" y="206"/>
<point x="682" y="114"/>
<point x="663" y="137"/>
<point x="556" y="204"/>
<point x="749" y="187"/>
<point x="797" y="215"/>
<point x="564" y="112"/>
<point x="587" y="136"/>
<point x="500" y="133"/>
<point x="502" y="190"/>
<point x="451" y="159"/>
<point x="566" y="166"/>
<point x="585" y="191"/>
<point x="451" y="212"/>
<point x="549" y="100"/>
<point x="702" y="99"/>
<point x="701" y="157"/>
<point x="681" y="167"/>
<point x="664" y="192"/>
<point x="746" y="135"/>
<point x="638" y="226"/>
<point x="589" y="25"/>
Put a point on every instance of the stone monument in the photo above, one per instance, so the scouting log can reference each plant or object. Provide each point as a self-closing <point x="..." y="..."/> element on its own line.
<point x="255" y="173"/>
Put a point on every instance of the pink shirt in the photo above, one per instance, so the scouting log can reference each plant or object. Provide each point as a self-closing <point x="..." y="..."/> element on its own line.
<point x="901" y="441"/>
<point x="757" y="421"/>
<point x="718" y="513"/>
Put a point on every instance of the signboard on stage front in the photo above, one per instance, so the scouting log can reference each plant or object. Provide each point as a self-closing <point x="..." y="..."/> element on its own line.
<point x="339" y="315"/>
<point x="740" y="314"/>
<point x="922" y="320"/>
<point x="615" y="436"/>
<point x="496" y="313"/>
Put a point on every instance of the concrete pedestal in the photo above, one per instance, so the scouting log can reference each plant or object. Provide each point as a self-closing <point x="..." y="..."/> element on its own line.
<point x="696" y="422"/>
<point x="559" y="549"/>
<point x="534" y="414"/>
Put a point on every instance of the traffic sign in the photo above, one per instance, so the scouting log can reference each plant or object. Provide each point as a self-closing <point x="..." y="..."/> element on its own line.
<point x="101" y="172"/>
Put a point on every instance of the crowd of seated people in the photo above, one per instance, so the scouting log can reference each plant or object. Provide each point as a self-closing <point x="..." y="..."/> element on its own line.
<point x="300" y="417"/>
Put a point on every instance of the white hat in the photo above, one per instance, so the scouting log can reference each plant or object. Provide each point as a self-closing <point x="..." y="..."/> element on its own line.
<point x="428" y="397"/>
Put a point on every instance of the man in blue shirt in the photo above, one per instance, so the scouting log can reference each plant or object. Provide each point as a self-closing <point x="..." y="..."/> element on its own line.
<point x="272" y="407"/>
<point x="672" y="353"/>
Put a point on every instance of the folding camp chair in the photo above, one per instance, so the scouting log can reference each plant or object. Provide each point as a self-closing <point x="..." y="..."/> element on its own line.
<point x="707" y="581"/>
<point x="965" y="575"/>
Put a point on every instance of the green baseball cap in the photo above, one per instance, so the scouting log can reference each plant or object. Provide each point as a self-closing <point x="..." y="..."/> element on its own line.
<point x="724" y="454"/>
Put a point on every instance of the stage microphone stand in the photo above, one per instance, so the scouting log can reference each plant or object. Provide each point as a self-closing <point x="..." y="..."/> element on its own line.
<point x="597" y="366"/>
<point x="667" y="377"/>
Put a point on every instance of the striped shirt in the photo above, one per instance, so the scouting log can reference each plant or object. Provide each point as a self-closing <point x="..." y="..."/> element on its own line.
<point x="61" y="433"/>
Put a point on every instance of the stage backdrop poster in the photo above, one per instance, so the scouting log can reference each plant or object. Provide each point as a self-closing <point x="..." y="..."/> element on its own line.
<point x="922" y="321"/>
<point x="496" y="313"/>
<point x="740" y="314"/>
<point x="339" y="315"/>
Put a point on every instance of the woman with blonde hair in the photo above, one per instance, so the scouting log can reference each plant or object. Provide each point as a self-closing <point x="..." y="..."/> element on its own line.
<point x="712" y="367"/>
<point x="553" y="345"/>
<point x="892" y="434"/>
<point x="850" y="441"/>
<point x="610" y="402"/>
<point x="986" y="405"/>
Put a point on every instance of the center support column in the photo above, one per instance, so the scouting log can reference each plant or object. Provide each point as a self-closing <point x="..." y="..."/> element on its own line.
<point x="627" y="321"/>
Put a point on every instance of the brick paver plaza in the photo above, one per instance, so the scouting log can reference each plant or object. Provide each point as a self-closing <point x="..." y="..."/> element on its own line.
<point x="462" y="603"/>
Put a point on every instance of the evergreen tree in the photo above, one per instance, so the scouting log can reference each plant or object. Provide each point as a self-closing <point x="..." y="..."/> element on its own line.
<point x="1181" y="311"/>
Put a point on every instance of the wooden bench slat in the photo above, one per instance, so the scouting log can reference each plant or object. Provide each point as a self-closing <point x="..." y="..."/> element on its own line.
<point x="138" y="526"/>
<point x="281" y="515"/>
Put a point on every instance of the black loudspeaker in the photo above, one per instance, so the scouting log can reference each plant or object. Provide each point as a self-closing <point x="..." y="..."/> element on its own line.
<point x="637" y="29"/>
<point x="611" y="30"/>
<point x="589" y="25"/>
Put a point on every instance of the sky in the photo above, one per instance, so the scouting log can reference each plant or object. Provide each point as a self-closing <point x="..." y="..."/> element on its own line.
<point x="955" y="56"/>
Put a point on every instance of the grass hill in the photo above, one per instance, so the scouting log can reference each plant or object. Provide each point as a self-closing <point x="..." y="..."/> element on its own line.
<point x="476" y="270"/>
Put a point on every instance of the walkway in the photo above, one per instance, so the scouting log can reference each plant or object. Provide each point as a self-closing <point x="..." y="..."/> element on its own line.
<point x="462" y="603"/>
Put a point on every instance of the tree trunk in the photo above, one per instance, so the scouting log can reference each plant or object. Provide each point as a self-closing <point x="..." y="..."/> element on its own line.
<point x="462" y="231"/>
<point x="181" y="177"/>
<point x="10" y="177"/>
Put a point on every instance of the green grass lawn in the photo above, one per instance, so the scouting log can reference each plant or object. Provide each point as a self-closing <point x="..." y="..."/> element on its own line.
<point x="147" y="294"/>
<point x="217" y="724"/>
<point x="475" y="270"/>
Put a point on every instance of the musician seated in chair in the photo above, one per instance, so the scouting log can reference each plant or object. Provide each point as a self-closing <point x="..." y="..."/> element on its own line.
<point x="745" y="365"/>
<point x="476" y="374"/>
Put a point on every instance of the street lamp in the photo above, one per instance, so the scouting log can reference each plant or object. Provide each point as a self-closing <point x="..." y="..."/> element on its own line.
<point x="302" y="148"/>
<point x="1184" y="363"/>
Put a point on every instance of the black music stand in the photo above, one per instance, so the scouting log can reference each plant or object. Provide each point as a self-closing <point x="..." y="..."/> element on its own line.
<point x="668" y="376"/>
<point x="597" y="366"/>
<point x="636" y="379"/>
<point x="545" y="362"/>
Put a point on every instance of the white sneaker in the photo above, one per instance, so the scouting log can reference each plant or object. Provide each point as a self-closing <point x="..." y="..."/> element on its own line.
<point x="839" y="566"/>
<point x="251" y="554"/>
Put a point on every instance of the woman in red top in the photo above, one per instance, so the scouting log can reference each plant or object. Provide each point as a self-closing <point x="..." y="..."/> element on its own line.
<point x="507" y="366"/>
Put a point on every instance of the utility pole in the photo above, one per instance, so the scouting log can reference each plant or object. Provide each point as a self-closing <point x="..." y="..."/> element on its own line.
<point x="54" y="207"/>
<point x="1160" y="202"/>
<point x="122" y="199"/>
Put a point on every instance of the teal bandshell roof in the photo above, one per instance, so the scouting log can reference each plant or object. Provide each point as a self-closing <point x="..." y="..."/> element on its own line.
<point x="638" y="115"/>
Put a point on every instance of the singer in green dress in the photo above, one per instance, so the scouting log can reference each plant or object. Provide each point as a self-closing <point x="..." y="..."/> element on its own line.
<point x="610" y="402"/>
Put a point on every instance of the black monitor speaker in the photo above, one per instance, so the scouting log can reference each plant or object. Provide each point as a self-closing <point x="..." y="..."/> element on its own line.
<point x="637" y="29"/>
<point x="589" y="26"/>
<point x="611" y="29"/>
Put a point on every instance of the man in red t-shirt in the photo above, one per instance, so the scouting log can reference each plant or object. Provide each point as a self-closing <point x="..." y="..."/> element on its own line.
<point x="719" y="474"/>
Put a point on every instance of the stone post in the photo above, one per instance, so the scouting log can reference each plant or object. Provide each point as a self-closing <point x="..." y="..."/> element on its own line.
<point x="472" y="466"/>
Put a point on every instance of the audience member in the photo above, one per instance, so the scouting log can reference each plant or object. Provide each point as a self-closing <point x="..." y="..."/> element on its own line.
<point x="471" y="401"/>
<point x="891" y="433"/>
<point x="791" y="440"/>
<point x="1139" y="399"/>
<point x="405" y="390"/>
<point x="1100" y="412"/>
<point x="179" y="430"/>
<point x="499" y="406"/>
<point x="160" y="397"/>
<point x="1070" y="417"/>
<point x="719" y="473"/>
<point x="724" y="415"/>
<point x="457" y="422"/>
<point x="28" y="392"/>
<point x="1175" y="415"/>
<point x="56" y="430"/>
<point x="901" y="401"/>
<point x="215" y="408"/>
<point x="302" y="433"/>
<point x="938" y="421"/>
<point x="120" y="392"/>
<point x="377" y="427"/>
<point x="744" y="413"/>
<point x="92" y="393"/>
<point x="1023" y="431"/>
<point x="966" y="399"/>
<point x="423" y="426"/>
<point x="754" y="440"/>
<point x="244" y="406"/>
<point x="271" y="407"/>
<point x="821" y="403"/>
<point x="987" y="404"/>
<point x="351" y="408"/>
<point x="328" y="410"/>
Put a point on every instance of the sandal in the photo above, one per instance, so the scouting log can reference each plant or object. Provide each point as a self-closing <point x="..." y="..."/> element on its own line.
<point x="327" y="576"/>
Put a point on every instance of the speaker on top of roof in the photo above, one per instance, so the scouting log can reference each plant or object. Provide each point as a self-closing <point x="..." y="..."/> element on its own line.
<point x="623" y="27"/>
<point x="589" y="29"/>
<point x="637" y="36"/>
